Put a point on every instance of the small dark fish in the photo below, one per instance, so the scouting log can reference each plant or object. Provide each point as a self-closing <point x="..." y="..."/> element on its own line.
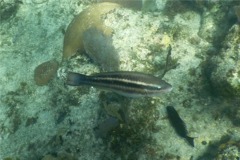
<point x="130" y="84"/>
<point x="179" y="125"/>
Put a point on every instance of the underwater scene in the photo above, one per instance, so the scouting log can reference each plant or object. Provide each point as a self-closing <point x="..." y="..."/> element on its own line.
<point x="119" y="80"/>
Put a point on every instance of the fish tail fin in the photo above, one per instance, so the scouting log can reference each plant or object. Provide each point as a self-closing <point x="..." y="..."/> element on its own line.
<point x="190" y="140"/>
<point x="75" y="79"/>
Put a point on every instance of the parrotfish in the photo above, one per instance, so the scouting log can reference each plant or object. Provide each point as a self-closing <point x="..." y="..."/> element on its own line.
<point x="179" y="125"/>
<point x="126" y="83"/>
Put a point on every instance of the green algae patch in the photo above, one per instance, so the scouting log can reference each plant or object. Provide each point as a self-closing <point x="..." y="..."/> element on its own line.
<point x="8" y="10"/>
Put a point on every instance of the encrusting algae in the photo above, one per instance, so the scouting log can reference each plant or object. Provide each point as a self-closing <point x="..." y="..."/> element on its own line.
<point x="45" y="72"/>
<point x="89" y="18"/>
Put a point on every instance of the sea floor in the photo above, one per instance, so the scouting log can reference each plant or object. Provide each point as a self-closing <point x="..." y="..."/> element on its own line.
<point x="55" y="121"/>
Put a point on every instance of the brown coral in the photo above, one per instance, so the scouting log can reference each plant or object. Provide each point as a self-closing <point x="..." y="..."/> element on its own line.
<point x="91" y="17"/>
<point x="136" y="4"/>
<point x="45" y="72"/>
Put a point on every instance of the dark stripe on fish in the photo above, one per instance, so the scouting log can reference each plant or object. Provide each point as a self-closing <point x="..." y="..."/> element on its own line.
<point x="133" y="84"/>
<point x="179" y="125"/>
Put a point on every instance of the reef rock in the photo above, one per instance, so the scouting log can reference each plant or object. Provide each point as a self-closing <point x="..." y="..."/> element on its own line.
<point x="226" y="77"/>
<point x="100" y="48"/>
<point x="89" y="18"/>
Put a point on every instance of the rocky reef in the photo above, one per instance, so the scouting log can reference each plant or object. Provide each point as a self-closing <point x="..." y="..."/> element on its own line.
<point x="56" y="121"/>
<point x="226" y="76"/>
<point x="90" y="17"/>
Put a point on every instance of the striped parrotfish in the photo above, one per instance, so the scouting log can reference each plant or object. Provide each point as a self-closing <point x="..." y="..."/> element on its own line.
<point x="126" y="83"/>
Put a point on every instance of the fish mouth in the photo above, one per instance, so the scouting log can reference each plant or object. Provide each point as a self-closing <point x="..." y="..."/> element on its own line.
<point x="167" y="89"/>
